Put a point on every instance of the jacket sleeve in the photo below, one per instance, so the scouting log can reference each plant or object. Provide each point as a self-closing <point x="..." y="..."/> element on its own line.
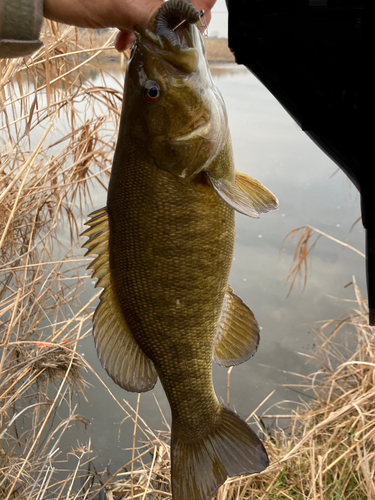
<point x="20" y="24"/>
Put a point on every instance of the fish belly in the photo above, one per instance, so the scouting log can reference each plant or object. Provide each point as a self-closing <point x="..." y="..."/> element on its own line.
<point x="171" y="248"/>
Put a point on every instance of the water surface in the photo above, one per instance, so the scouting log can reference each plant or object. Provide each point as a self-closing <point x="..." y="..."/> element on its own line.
<point x="269" y="146"/>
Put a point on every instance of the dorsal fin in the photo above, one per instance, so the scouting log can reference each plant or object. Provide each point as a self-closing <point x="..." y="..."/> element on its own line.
<point x="237" y="338"/>
<point x="118" y="351"/>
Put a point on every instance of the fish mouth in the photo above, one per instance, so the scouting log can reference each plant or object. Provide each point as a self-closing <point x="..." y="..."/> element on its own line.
<point x="199" y="128"/>
<point x="172" y="36"/>
<point x="182" y="58"/>
<point x="182" y="37"/>
<point x="172" y="19"/>
<point x="154" y="42"/>
<point x="200" y="131"/>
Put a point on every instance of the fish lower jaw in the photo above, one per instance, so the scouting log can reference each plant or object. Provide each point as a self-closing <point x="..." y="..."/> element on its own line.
<point x="200" y="132"/>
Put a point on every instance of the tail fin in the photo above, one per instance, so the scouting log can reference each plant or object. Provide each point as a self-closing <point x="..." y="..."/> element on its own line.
<point x="200" y="467"/>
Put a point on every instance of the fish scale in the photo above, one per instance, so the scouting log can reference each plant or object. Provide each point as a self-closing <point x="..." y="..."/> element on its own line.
<point x="165" y="243"/>
<point x="153" y="315"/>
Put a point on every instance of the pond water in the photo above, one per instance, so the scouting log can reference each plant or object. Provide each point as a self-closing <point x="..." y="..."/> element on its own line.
<point x="269" y="146"/>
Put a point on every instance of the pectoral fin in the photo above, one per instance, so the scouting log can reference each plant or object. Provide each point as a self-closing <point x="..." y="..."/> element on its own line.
<point x="262" y="199"/>
<point x="246" y="195"/>
<point x="237" y="338"/>
<point x="118" y="351"/>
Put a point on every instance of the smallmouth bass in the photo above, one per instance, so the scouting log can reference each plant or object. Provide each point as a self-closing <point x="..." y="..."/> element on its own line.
<point x="165" y="247"/>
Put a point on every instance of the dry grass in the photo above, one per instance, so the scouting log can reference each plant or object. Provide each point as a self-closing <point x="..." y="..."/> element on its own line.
<point x="58" y="131"/>
<point x="308" y="237"/>
<point x="327" y="452"/>
<point x="217" y="50"/>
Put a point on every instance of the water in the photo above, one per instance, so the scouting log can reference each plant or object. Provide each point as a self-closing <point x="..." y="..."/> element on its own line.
<point x="269" y="146"/>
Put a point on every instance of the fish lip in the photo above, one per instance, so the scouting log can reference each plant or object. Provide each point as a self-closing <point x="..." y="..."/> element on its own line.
<point x="181" y="60"/>
<point x="147" y="37"/>
<point x="192" y="134"/>
<point x="154" y="42"/>
<point x="191" y="128"/>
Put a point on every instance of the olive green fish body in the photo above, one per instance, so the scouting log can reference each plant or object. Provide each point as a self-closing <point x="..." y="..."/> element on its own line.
<point x="166" y="277"/>
<point x="164" y="247"/>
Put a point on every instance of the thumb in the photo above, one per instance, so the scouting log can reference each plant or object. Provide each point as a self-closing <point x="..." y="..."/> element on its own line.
<point x="124" y="40"/>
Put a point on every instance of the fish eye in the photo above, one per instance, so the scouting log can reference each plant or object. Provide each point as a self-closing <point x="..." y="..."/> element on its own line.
<point x="151" y="91"/>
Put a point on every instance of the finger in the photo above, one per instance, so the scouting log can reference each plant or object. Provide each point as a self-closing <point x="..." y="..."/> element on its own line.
<point x="124" y="40"/>
<point x="207" y="17"/>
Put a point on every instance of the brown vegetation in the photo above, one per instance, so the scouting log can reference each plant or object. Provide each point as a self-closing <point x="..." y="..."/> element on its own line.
<point x="217" y="50"/>
<point x="58" y="131"/>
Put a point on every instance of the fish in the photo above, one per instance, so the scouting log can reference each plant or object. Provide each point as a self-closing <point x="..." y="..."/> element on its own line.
<point x="164" y="247"/>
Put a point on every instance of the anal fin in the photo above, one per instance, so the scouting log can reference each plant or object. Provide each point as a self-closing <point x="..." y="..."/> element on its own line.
<point x="237" y="338"/>
<point x="118" y="351"/>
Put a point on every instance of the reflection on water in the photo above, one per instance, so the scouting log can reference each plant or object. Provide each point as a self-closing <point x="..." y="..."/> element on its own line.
<point x="269" y="146"/>
<point x="227" y="70"/>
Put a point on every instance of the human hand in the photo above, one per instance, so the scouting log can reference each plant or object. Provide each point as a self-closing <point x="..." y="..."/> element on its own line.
<point x="205" y="5"/>
<point x="121" y="14"/>
<point x="124" y="39"/>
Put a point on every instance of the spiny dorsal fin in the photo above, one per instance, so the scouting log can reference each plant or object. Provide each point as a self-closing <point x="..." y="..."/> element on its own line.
<point x="237" y="338"/>
<point x="246" y="195"/>
<point x="117" y="349"/>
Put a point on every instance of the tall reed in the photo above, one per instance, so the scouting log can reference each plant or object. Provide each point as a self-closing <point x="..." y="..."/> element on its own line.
<point x="58" y="131"/>
<point x="327" y="450"/>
